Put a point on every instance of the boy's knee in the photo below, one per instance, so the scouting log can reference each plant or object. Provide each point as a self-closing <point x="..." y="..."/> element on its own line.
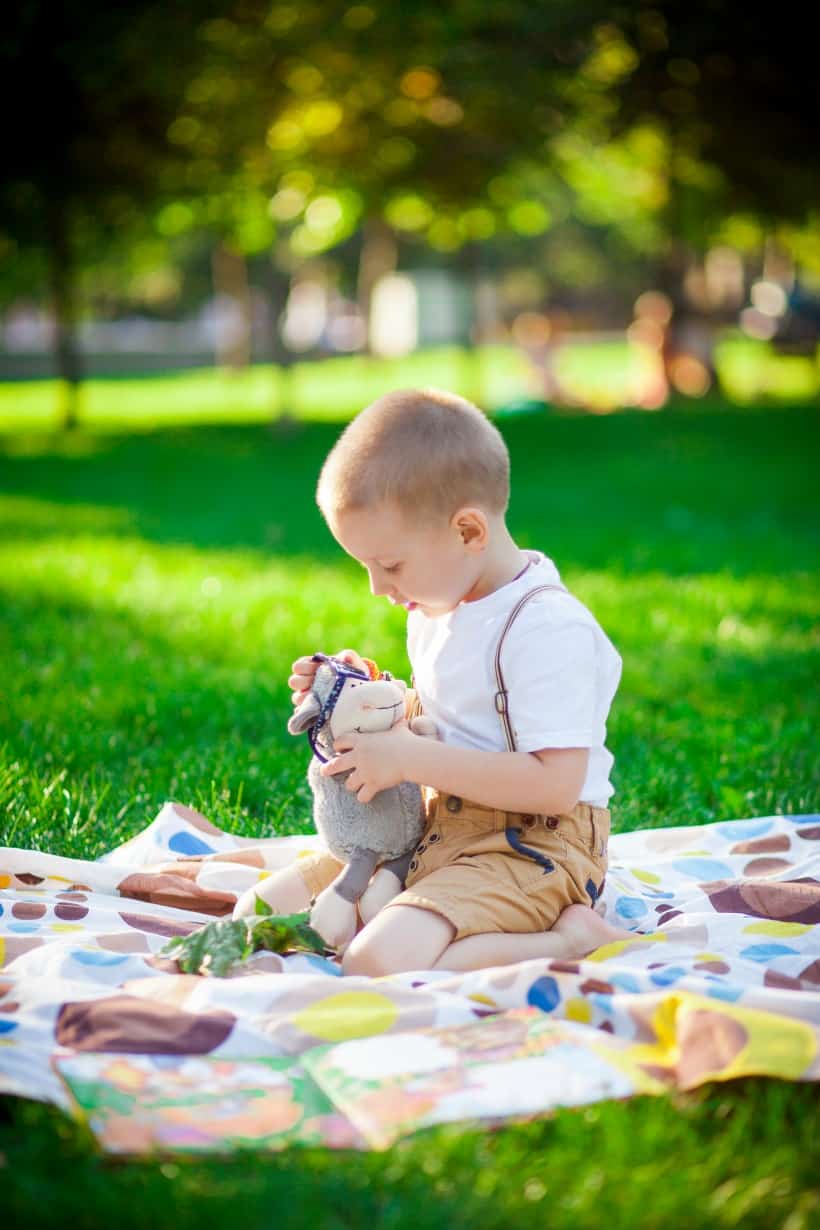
<point x="398" y="939"/>
<point x="369" y="959"/>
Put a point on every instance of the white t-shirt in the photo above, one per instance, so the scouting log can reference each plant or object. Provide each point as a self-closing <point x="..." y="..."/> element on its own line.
<point x="561" y="671"/>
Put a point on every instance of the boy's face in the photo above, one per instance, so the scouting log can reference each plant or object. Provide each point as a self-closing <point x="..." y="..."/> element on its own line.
<point x="422" y="566"/>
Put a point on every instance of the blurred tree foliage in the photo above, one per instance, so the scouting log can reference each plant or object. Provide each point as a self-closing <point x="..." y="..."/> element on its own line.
<point x="285" y="125"/>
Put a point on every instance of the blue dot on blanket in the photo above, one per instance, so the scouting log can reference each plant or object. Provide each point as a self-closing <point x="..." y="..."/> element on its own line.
<point x="665" y="977"/>
<point x="765" y="952"/>
<point x="631" y="907"/>
<point x="24" y="928"/>
<point x="742" y="829"/>
<point x="625" y="982"/>
<point x="91" y="957"/>
<point x="703" y="868"/>
<point x="7" y="1026"/>
<point x="724" y="990"/>
<point x="186" y="843"/>
<point x="809" y="818"/>
<point x="544" y="994"/>
<point x="323" y="964"/>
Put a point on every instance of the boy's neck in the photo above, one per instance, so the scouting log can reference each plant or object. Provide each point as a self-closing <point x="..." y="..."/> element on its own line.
<point x="503" y="562"/>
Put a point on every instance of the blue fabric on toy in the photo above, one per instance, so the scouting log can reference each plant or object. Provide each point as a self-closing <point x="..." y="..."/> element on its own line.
<point x="343" y="673"/>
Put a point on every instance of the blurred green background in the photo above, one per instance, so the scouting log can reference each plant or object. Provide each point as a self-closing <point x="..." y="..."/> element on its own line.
<point x="615" y="204"/>
<point x="225" y="228"/>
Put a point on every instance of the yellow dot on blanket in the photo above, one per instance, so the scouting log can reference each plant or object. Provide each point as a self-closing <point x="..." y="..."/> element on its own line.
<point x="646" y="877"/>
<point x="124" y="1075"/>
<point x="776" y="928"/>
<point x="351" y="1014"/>
<point x="617" y="946"/>
<point x="67" y="927"/>
<point x="2" y="951"/>
<point x="579" y="1010"/>
<point x="483" y="999"/>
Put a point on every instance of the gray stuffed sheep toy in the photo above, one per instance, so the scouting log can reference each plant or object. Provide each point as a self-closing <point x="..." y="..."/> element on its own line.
<point x="382" y="833"/>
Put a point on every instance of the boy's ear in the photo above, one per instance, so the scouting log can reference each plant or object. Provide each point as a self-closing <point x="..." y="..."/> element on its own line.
<point x="471" y="525"/>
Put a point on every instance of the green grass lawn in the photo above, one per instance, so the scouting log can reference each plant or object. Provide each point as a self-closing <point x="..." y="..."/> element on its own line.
<point x="153" y="591"/>
<point x="599" y="373"/>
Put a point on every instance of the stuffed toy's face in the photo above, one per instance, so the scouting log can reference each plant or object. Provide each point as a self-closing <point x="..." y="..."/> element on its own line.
<point x="363" y="705"/>
<point x="368" y="706"/>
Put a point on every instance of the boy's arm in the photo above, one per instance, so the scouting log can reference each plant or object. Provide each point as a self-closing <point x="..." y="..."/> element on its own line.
<point x="546" y="782"/>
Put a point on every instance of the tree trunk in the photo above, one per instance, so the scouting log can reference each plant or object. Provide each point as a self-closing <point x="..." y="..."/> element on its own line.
<point x="379" y="256"/>
<point x="232" y="344"/>
<point x="471" y="263"/>
<point x="279" y="283"/>
<point x="63" y="292"/>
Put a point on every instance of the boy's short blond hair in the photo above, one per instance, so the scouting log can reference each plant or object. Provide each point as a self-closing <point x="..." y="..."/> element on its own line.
<point x="426" y="451"/>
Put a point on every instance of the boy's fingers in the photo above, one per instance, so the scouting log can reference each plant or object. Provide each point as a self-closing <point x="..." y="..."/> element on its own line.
<point x="351" y="658"/>
<point x="337" y="765"/>
<point x="299" y="683"/>
<point x="304" y="666"/>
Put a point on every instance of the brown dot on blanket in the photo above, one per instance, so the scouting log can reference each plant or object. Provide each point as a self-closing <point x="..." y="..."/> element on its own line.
<point x="158" y="926"/>
<point x="787" y="901"/>
<point x="130" y="1025"/>
<point x="28" y="910"/>
<point x="16" y="945"/>
<point x="811" y="973"/>
<point x="177" y="889"/>
<point x="763" y="845"/>
<point x="765" y="866"/>
<point x="708" y="1042"/>
<point x="70" y="912"/>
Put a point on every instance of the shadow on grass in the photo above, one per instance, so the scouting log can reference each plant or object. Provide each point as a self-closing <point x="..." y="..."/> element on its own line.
<point x="681" y="492"/>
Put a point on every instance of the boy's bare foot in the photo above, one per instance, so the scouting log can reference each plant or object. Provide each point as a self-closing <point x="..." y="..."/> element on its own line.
<point x="584" y="930"/>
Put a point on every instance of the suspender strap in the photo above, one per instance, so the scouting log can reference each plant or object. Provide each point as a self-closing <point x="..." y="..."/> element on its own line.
<point x="502" y="696"/>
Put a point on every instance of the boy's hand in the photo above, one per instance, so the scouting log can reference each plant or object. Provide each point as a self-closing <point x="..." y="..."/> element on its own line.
<point x="303" y="670"/>
<point x="378" y="760"/>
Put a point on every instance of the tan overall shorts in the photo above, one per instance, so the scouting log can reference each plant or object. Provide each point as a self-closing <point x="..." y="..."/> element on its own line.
<point x="489" y="870"/>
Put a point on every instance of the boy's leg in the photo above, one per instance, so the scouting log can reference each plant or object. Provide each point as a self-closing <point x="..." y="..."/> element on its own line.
<point x="284" y="890"/>
<point x="577" y="931"/>
<point x="291" y="889"/>
<point x="401" y="938"/>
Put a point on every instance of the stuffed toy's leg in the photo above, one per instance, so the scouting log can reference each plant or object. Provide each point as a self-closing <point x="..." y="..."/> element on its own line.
<point x="334" y="913"/>
<point x="386" y="884"/>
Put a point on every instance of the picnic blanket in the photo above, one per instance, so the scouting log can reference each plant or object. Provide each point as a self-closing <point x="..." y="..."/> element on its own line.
<point x="720" y="979"/>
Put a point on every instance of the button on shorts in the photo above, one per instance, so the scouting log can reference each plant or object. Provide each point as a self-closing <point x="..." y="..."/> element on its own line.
<point x="487" y="870"/>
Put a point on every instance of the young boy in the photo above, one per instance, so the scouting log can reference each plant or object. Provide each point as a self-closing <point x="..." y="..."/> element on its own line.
<point x="513" y="857"/>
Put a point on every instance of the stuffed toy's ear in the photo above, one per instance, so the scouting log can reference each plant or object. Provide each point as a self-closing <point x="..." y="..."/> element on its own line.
<point x="305" y="715"/>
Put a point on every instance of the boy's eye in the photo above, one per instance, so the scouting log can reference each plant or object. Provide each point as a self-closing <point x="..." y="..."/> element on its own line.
<point x="392" y="568"/>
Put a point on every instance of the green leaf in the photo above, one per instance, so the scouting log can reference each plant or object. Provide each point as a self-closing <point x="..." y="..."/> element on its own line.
<point x="261" y="906"/>
<point x="216" y="947"/>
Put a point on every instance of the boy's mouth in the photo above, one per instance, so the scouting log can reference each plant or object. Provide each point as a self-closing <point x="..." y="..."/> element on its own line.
<point x="405" y="602"/>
